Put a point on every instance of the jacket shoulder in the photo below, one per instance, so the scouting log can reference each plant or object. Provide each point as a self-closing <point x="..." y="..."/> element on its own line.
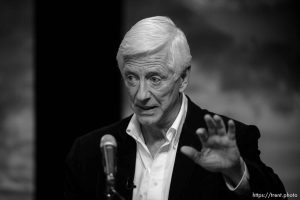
<point x="89" y="143"/>
<point x="245" y="134"/>
<point x="112" y="129"/>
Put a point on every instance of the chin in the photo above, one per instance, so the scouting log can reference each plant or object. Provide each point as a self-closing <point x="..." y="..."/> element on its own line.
<point x="148" y="120"/>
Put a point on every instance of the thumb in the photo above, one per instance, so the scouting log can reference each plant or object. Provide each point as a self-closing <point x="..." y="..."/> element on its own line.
<point x="190" y="152"/>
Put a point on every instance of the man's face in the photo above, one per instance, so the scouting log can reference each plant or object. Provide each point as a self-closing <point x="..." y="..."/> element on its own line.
<point x="153" y="89"/>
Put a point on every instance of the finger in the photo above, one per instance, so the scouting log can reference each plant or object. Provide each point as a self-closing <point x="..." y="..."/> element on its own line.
<point x="216" y="142"/>
<point x="231" y="129"/>
<point x="190" y="152"/>
<point x="203" y="136"/>
<point x="221" y="130"/>
<point x="211" y="125"/>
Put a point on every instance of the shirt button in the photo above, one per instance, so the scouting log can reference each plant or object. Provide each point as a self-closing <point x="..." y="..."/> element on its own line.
<point x="155" y="183"/>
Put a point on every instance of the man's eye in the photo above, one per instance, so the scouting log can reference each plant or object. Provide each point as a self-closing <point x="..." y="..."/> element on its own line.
<point x="131" y="79"/>
<point x="155" y="79"/>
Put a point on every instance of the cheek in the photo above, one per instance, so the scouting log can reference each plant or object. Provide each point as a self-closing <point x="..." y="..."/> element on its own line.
<point x="166" y="94"/>
<point x="131" y="92"/>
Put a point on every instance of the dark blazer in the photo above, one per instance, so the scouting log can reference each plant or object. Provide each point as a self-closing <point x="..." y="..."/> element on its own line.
<point x="85" y="178"/>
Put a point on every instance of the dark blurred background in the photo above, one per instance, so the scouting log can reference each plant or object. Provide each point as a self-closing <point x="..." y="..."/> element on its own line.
<point x="77" y="81"/>
<point x="59" y="78"/>
<point x="16" y="100"/>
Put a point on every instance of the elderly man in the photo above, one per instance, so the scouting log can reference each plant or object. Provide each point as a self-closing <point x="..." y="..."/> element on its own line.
<point x="169" y="148"/>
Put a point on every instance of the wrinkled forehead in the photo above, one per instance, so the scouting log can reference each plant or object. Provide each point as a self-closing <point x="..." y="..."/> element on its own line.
<point x="155" y="61"/>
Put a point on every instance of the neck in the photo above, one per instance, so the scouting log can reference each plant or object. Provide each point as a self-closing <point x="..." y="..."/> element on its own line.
<point x="156" y="133"/>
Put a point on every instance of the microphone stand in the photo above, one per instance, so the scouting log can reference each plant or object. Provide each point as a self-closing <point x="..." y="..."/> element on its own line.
<point x="110" y="189"/>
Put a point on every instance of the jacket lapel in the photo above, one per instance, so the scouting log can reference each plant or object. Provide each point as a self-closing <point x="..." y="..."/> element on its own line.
<point x="183" y="166"/>
<point x="126" y="162"/>
<point x="126" y="155"/>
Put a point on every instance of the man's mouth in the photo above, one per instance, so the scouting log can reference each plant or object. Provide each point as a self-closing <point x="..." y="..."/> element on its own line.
<point x="145" y="107"/>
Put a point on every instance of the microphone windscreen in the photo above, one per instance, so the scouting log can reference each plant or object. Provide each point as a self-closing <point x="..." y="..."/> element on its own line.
<point x="108" y="140"/>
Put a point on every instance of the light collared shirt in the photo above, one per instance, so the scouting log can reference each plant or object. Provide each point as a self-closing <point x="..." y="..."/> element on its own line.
<point x="153" y="174"/>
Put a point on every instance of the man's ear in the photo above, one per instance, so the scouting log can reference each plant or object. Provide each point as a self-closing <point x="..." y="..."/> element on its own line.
<point x="185" y="76"/>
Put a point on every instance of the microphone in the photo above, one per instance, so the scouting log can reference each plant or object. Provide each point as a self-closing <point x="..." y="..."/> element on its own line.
<point x="108" y="146"/>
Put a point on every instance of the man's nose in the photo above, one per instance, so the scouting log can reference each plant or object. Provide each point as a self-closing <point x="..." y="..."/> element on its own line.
<point x="143" y="91"/>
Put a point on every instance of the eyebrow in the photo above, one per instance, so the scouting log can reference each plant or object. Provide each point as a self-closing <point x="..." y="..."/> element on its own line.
<point x="153" y="73"/>
<point x="127" y="72"/>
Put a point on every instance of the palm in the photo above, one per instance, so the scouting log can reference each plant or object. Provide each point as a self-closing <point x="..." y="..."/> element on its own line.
<point x="220" y="156"/>
<point x="219" y="152"/>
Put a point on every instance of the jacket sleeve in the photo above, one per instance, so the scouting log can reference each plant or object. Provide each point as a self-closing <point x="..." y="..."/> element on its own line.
<point x="263" y="181"/>
<point x="72" y="176"/>
<point x="73" y="183"/>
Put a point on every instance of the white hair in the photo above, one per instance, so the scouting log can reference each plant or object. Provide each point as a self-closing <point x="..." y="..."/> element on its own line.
<point x="152" y="35"/>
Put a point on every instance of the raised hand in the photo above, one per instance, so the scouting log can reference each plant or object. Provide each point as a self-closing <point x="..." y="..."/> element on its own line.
<point x="219" y="151"/>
